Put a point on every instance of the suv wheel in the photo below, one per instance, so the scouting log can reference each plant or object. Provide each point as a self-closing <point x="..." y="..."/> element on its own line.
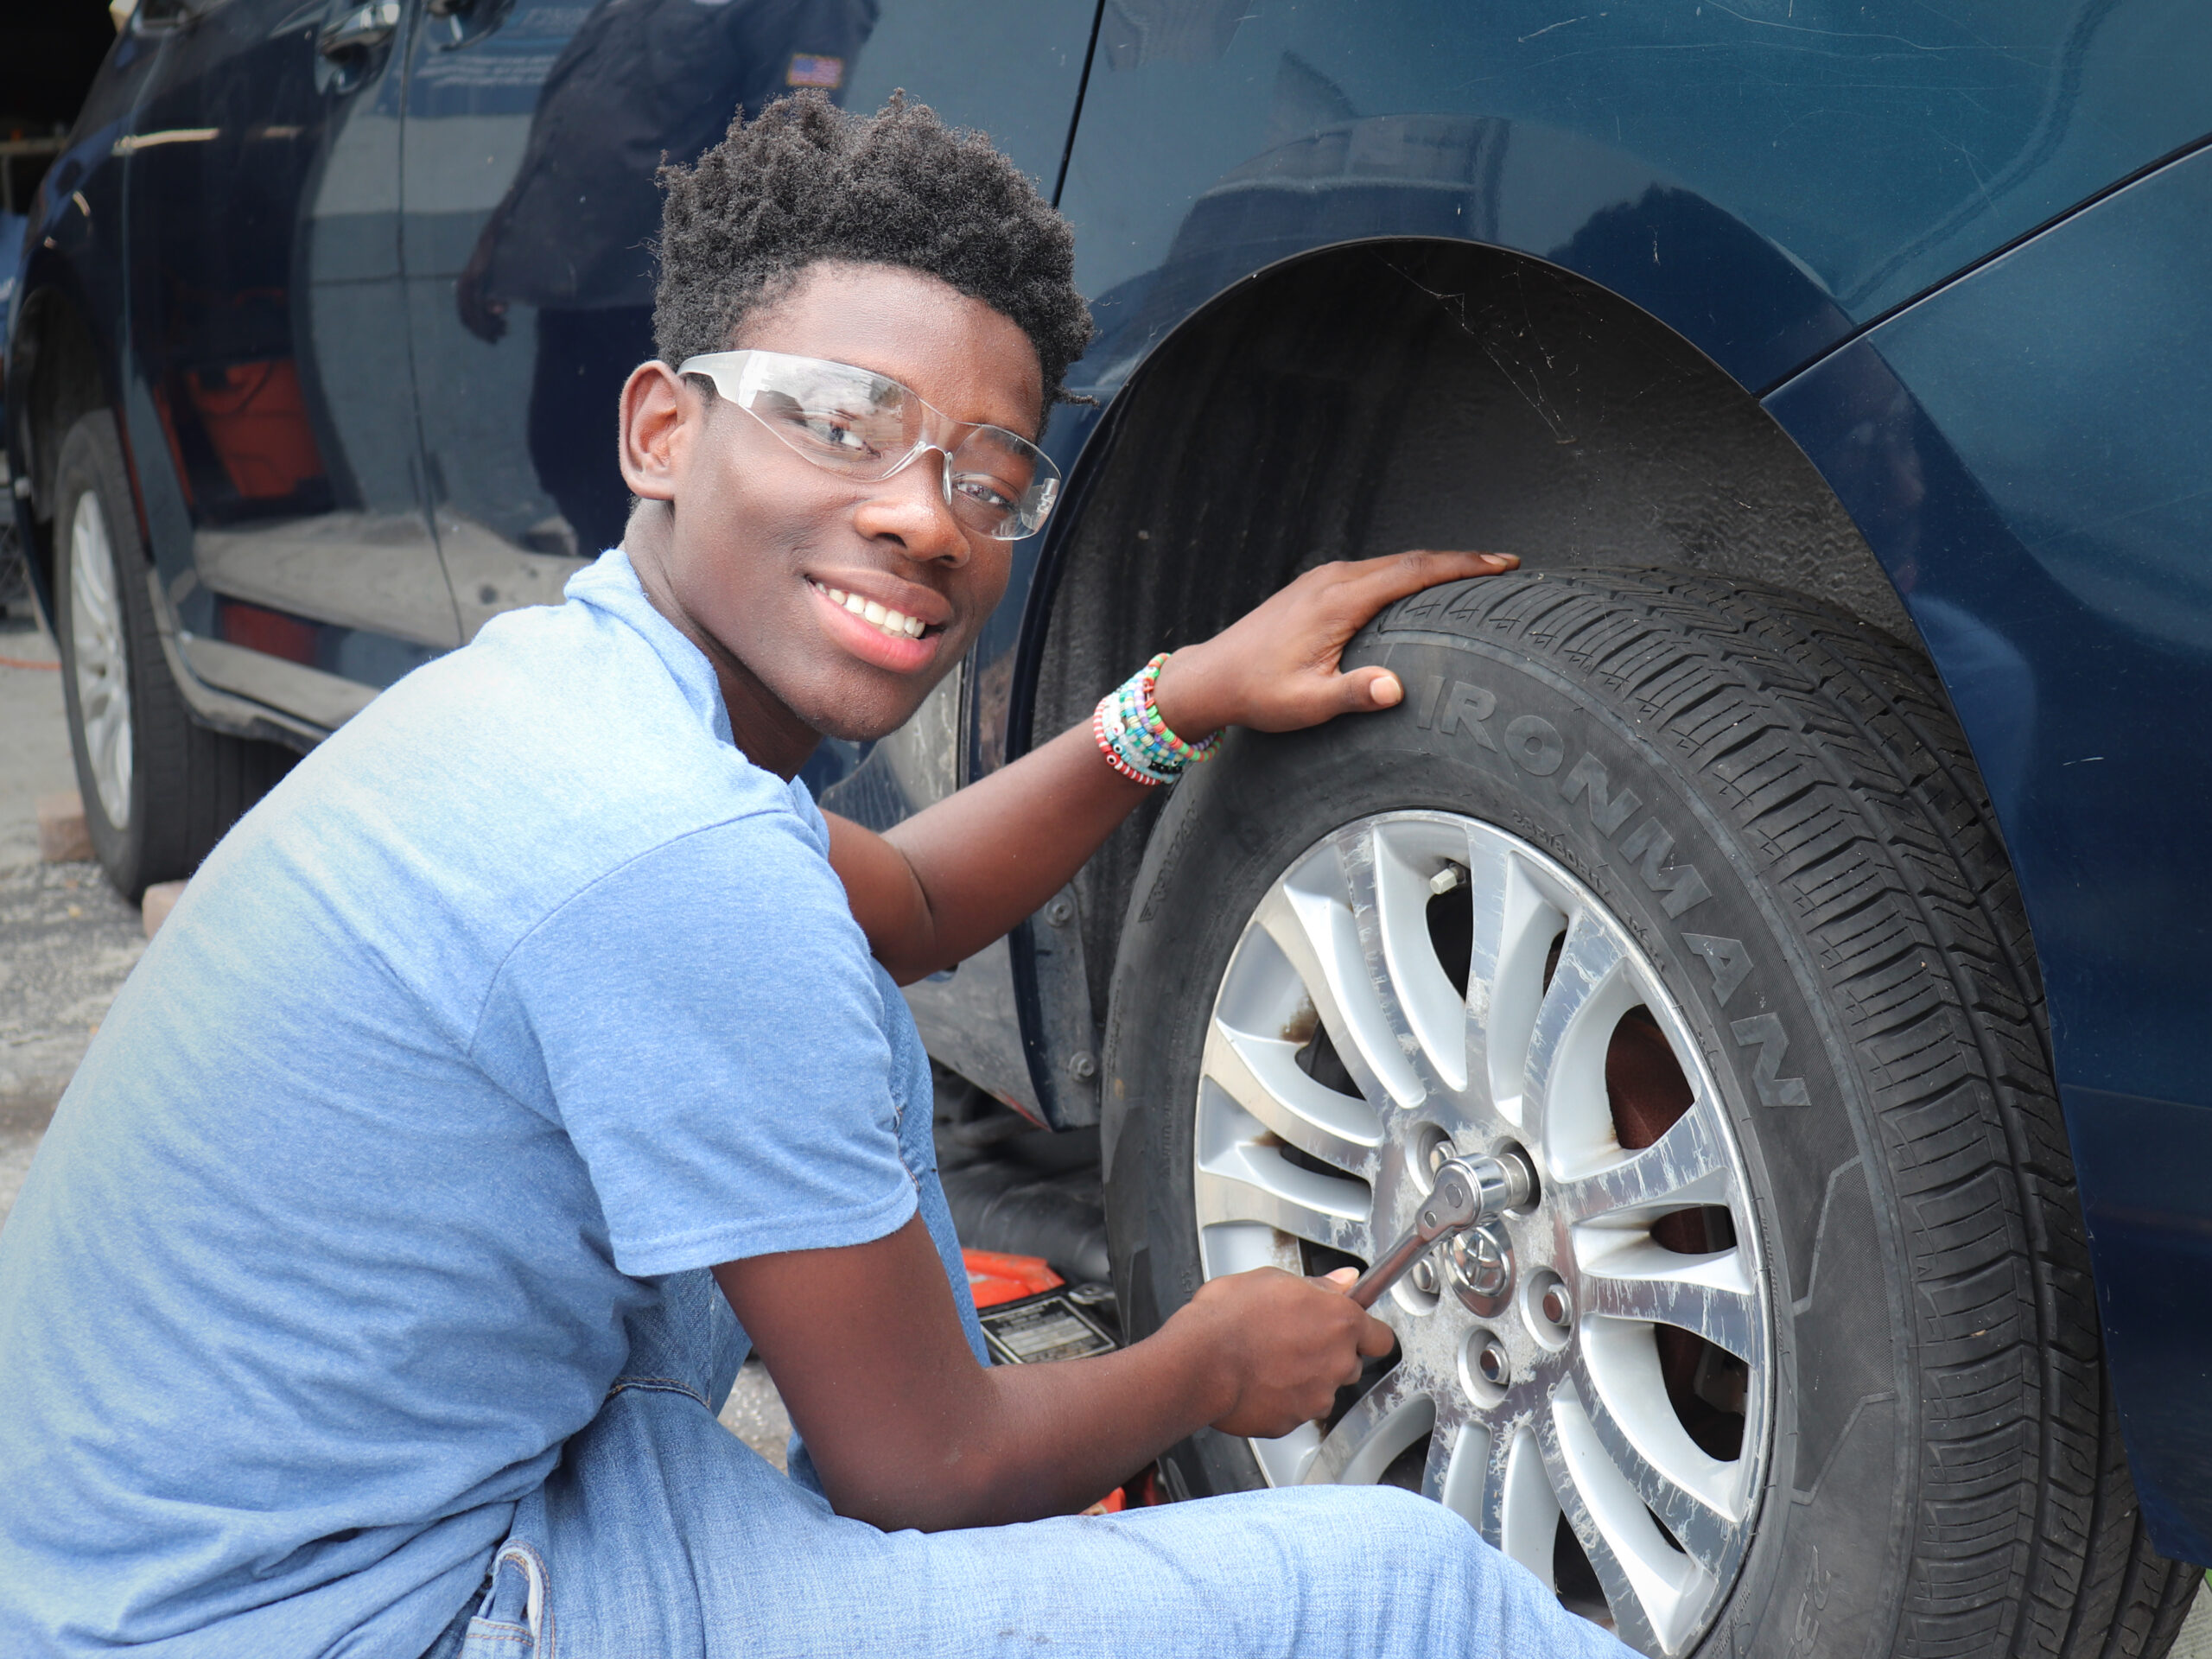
<point x="158" y="790"/>
<point x="1689" y="890"/>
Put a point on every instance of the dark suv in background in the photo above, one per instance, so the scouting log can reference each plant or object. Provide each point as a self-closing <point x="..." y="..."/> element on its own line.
<point x="1803" y="858"/>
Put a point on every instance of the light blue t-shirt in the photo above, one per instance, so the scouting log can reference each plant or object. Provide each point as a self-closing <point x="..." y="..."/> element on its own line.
<point x="523" y="986"/>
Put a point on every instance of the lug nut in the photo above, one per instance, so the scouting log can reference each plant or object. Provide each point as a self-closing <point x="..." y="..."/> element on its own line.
<point x="1492" y="1361"/>
<point x="1424" y="1276"/>
<point x="1556" y="1308"/>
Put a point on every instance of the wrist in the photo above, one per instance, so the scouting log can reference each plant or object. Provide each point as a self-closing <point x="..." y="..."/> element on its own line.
<point x="1204" y="1353"/>
<point x="1187" y="697"/>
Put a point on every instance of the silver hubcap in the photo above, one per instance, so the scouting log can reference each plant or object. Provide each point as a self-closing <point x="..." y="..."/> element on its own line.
<point x="96" y="649"/>
<point x="1620" y="1381"/>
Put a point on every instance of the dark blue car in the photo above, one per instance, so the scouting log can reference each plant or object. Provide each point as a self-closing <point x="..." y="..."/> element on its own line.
<point x="1805" y="858"/>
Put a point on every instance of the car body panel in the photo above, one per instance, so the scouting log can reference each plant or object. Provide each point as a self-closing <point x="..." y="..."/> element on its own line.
<point x="1761" y="177"/>
<point x="2029" y="452"/>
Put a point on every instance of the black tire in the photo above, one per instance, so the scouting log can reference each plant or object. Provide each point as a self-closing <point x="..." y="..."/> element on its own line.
<point x="187" y="784"/>
<point x="1945" y="1471"/>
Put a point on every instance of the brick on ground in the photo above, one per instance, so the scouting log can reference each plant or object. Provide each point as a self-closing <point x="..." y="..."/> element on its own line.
<point x="62" y="837"/>
<point x="160" y="899"/>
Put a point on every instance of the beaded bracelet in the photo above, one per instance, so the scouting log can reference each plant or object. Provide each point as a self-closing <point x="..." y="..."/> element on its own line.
<point x="1133" y="737"/>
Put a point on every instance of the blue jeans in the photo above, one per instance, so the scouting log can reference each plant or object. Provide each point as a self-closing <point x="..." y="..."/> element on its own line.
<point x="662" y="1536"/>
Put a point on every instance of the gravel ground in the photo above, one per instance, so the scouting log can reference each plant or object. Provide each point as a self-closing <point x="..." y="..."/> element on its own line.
<point x="754" y="1412"/>
<point x="66" y="940"/>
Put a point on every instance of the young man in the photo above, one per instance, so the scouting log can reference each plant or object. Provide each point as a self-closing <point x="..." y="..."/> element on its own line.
<point x="372" y="1291"/>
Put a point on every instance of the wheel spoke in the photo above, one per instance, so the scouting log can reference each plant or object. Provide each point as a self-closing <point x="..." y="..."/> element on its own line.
<point x="1519" y="1511"/>
<point x="1627" y="1276"/>
<point x="1240" y="1178"/>
<point x="1262" y="1075"/>
<point x="1391" y="895"/>
<point x="1309" y="917"/>
<point x="1382" y="1422"/>
<point x="1565" y="1106"/>
<point x="1457" y="1472"/>
<point x="1687" y="1165"/>
<point x="1514" y="925"/>
<point x="1694" y="1495"/>
<point x="1658" y="1594"/>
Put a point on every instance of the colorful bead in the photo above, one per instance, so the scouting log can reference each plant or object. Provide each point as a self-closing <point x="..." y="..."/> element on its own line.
<point x="1133" y="737"/>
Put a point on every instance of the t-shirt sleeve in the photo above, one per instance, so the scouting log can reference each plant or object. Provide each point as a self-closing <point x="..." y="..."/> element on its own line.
<point x="705" y="1024"/>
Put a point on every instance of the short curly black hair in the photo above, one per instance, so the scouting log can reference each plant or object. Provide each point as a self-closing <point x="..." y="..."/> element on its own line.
<point x="806" y="181"/>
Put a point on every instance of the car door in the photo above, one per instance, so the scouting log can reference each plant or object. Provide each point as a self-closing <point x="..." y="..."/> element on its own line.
<point x="268" y="355"/>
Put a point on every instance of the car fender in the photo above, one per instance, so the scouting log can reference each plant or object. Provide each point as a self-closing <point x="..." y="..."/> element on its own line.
<point x="2024" y="450"/>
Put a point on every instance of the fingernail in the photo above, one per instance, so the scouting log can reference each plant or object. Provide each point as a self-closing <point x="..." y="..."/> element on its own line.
<point x="1386" y="691"/>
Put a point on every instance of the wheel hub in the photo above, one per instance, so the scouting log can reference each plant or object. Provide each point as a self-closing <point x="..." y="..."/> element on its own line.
<point x="1419" y="985"/>
<point x="1478" y="1266"/>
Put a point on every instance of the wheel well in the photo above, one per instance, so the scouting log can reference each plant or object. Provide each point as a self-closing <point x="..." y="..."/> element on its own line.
<point x="1388" y="395"/>
<point x="56" y="353"/>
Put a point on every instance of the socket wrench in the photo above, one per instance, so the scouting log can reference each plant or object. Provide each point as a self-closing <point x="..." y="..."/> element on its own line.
<point x="1467" y="1191"/>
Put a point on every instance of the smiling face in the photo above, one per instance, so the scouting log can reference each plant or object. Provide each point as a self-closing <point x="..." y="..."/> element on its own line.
<point x="758" y="555"/>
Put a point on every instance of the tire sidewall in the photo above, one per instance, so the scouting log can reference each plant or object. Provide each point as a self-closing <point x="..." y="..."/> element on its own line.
<point x="1825" y="1564"/>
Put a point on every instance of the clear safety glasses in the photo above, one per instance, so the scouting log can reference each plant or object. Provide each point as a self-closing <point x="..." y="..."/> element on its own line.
<point x="866" y="426"/>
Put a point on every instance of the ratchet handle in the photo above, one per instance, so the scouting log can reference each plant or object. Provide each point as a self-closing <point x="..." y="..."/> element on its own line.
<point x="1467" y="1192"/>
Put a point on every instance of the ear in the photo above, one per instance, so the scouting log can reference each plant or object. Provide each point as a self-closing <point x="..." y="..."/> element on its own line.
<point x="659" y="415"/>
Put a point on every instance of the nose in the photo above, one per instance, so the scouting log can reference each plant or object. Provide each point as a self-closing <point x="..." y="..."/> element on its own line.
<point x="911" y="509"/>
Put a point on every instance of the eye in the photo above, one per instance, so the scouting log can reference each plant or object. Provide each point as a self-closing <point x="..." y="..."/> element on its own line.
<point x="835" y="430"/>
<point x="985" y="491"/>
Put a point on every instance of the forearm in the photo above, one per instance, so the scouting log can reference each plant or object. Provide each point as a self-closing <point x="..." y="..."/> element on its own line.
<point x="1038" y="1441"/>
<point x="983" y="858"/>
<point x="907" y="1430"/>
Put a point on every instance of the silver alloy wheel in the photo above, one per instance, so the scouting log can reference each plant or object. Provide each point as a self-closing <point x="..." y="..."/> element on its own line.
<point x="96" y="649"/>
<point x="1555" y="1400"/>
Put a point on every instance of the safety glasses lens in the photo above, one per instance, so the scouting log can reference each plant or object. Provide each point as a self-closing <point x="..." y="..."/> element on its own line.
<point x="851" y="421"/>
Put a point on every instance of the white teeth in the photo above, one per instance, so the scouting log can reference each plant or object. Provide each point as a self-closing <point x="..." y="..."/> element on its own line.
<point x="897" y="624"/>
